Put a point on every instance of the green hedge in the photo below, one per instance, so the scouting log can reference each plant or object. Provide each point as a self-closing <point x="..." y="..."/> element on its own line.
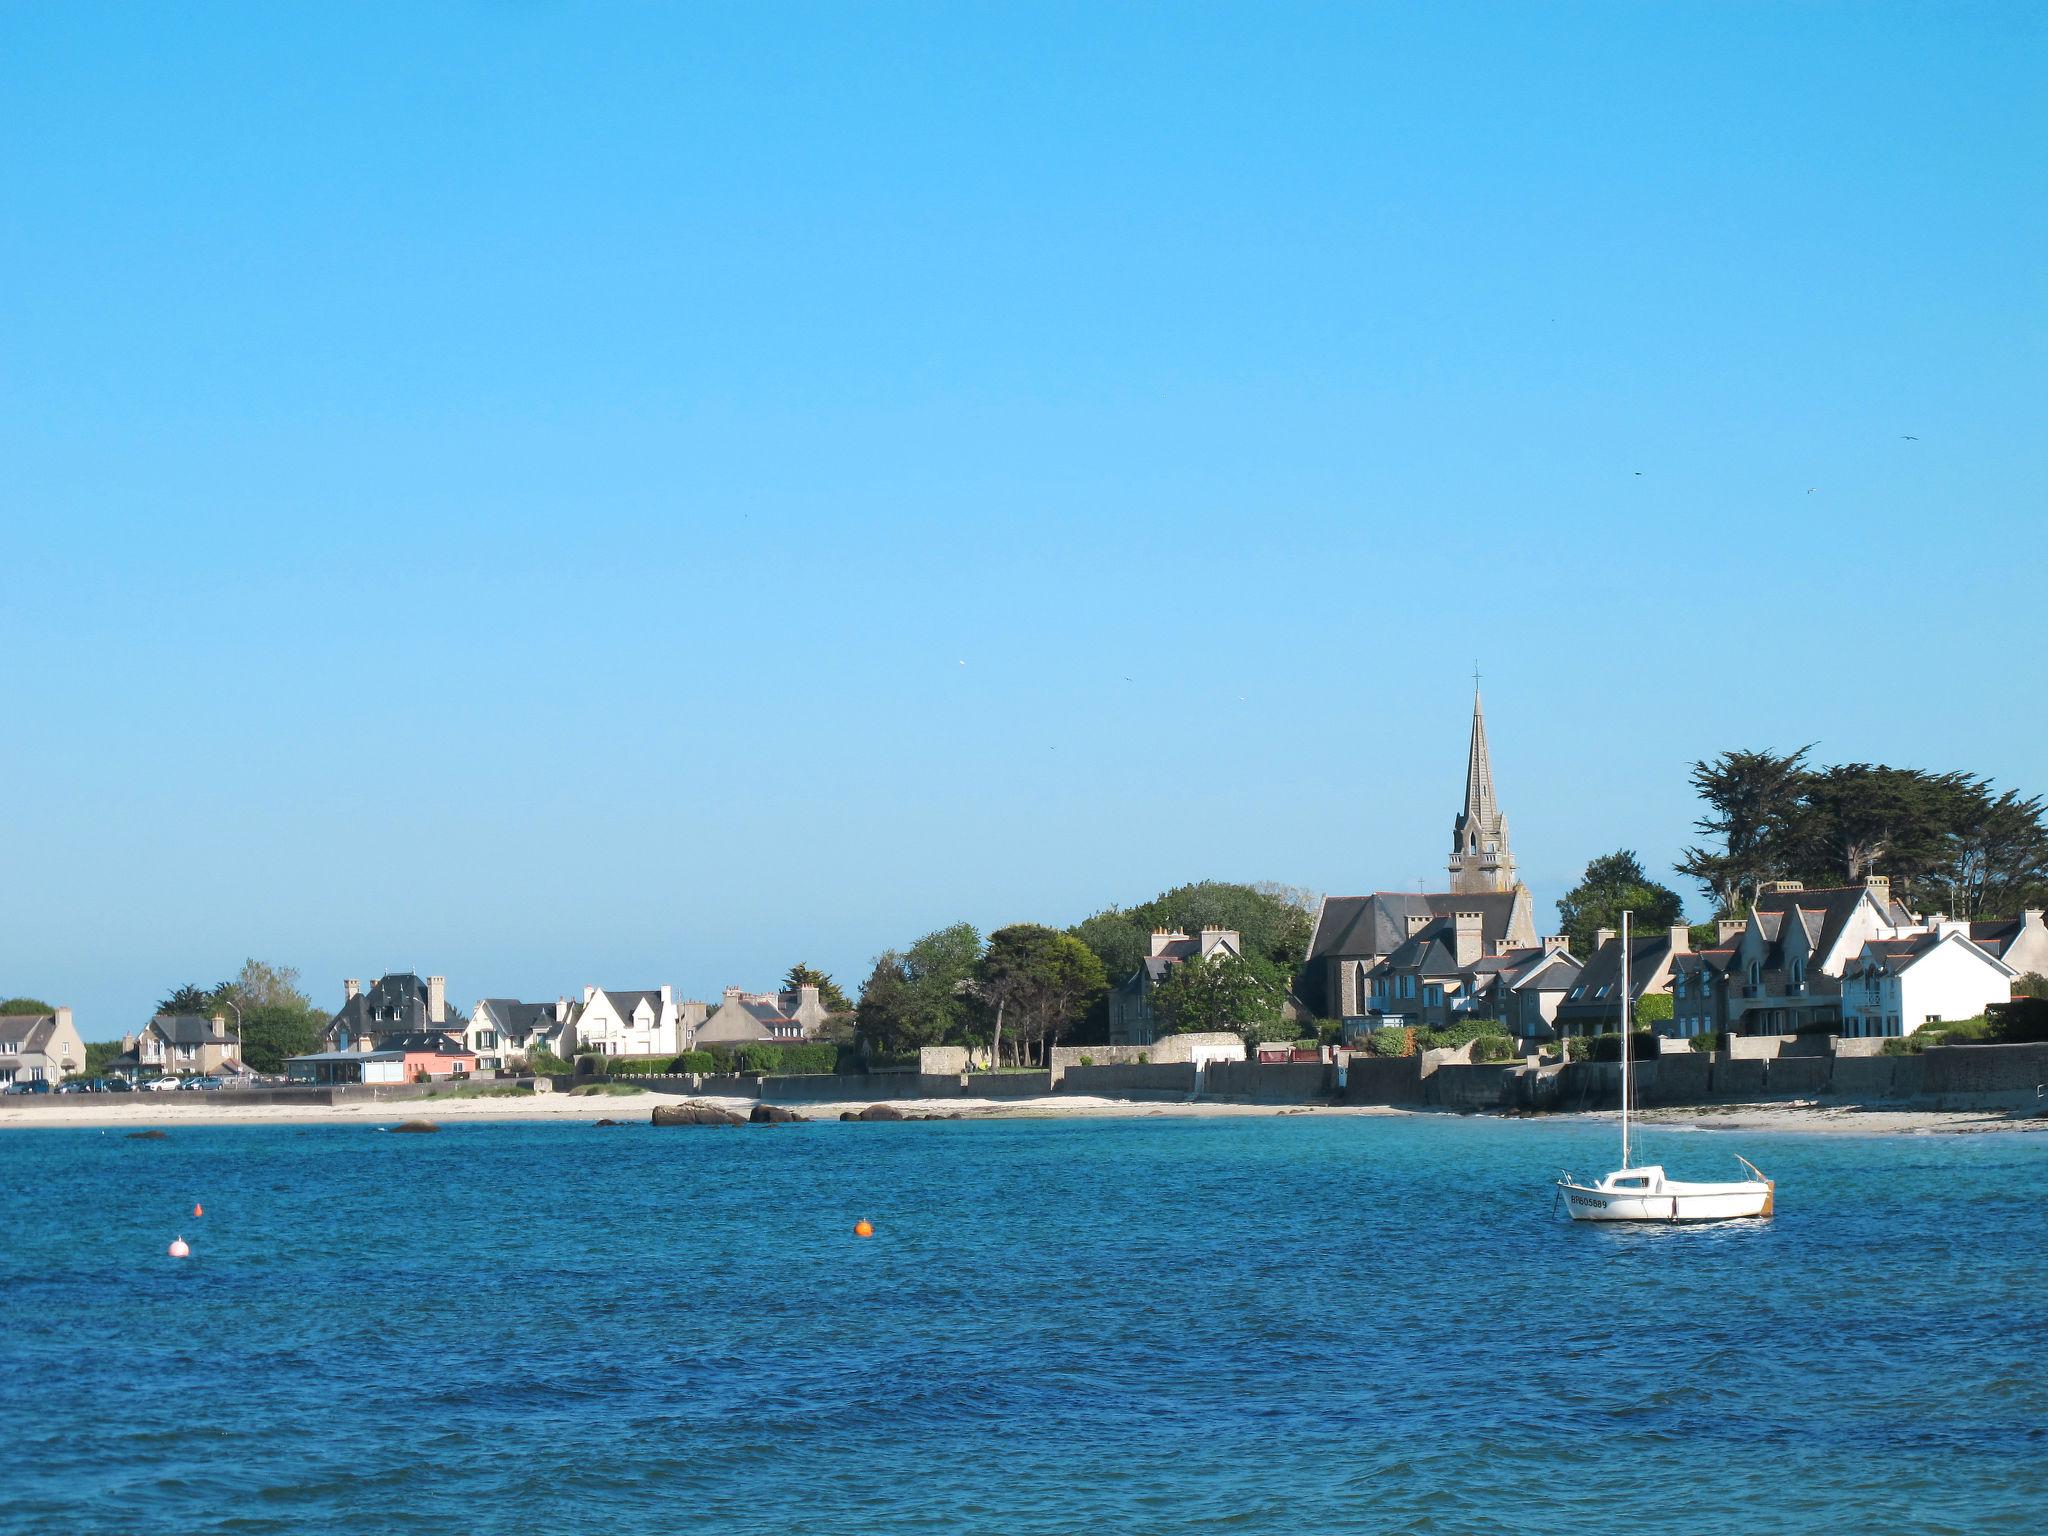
<point x="1643" y="1047"/>
<point x="1709" y="1041"/>
<point x="1493" y="1048"/>
<point x="1391" y="1040"/>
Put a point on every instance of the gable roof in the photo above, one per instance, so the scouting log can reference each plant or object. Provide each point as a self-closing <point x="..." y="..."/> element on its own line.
<point x="517" y="1021"/>
<point x="28" y="1033"/>
<point x="188" y="1029"/>
<point x="1825" y="913"/>
<point x="1378" y="924"/>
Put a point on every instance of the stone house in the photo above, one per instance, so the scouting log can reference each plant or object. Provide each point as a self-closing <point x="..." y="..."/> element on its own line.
<point x="1443" y="973"/>
<point x="1896" y="986"/>
<point x="39" y="1048"/>
<point x="744" y="1018"/>
<point x="179" y="1045"/>
<point x="1593" y="1005"/>
<point x="1353" y="934"/>
<point x="1789" y="962"/>
<point x="1700" y="983"/>
<point x="395" y="1005"/>
<point x="1130" y="1003"/>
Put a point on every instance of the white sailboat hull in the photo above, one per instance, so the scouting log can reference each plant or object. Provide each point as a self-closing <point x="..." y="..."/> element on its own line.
<point x="1644" y="1194"/>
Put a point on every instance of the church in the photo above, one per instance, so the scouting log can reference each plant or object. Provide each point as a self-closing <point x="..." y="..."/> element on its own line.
<point x="1355" y="933"/>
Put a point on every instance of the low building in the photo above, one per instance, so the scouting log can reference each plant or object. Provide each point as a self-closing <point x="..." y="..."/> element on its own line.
<point x="749" y="1018"/>
<point x="1897" y="986"/>
<point x="1532" y="985"/>
<point x="401" y="1059"/>
<point x="1130" y="1004"/>
<point x="39" y="1048"/>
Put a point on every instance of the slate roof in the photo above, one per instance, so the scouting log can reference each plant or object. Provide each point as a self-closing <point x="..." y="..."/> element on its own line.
<point x="392" y="1004"/>
<point x="440" y="1042"/>
<point x="1823" y="912"/>
<point x="1895" y="955"/>
<point x="1602" y="972"/>
<point x="188" y="1029"/>
<point x="626" y="1002"/>
<point x="1378" y="924"/>
<point x="29" y="1032"/>
<point x="1558" y="976"/>
<point x="1996" y="935"/>
<point x="517" y="1021"/>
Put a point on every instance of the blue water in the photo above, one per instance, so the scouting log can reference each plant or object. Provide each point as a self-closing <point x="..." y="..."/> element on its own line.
<point x="1307" y="1323"/>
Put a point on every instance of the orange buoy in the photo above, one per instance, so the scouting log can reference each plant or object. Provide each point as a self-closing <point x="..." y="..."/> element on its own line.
<point x="863" y="1228"/>
<point x="198" y="1210"/>
<point x="180" y="1248"/>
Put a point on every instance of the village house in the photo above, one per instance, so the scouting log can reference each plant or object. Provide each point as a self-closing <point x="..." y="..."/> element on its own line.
<point x="179" y="1045"/>
<point x="1130" y="1003"/>
<point x="745" y="1018"/>
<point x="39" y="1048"/>
<point x="1442" y="974"/>
<point x="1896" y="986"/>
<point x="1788" y="966"/>
<point x="1593" y="1005"/>
<point x="1353" y="934"/>
<point x="1527" y="988"/>
<point x="620" y="1023"/>
<point x="503" y="1032"/>
<point x="396" y="1059"/>
<point x="395" y="1006"/>
<point x="1699" y="983"/>
<point x="2021" y="942"/>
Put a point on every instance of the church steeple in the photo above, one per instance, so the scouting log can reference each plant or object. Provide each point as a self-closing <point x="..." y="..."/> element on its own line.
<point x="1481" y="859"/>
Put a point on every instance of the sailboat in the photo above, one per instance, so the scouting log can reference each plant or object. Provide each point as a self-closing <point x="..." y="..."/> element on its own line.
<point x="1644" y="1193"/>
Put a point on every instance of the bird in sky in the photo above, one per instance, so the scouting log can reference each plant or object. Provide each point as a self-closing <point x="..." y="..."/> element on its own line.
<point x="1909" y="437"/>
<point x="1811" y="489"/>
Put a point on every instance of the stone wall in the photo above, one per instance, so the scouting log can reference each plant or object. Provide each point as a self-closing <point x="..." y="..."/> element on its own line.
<point x="1753" y="1047"/>
<point x="1127" y="1081"/>
<point x="1268" y="1083"/>
<point x="1009" y="1085"/>
<point x="1973" y="1076"/>
<point x="1465" y="1085"/>
<point x="1800" y="1077"/>
<point x="1383" y="1080"/>
<point x="942" y="1060"/>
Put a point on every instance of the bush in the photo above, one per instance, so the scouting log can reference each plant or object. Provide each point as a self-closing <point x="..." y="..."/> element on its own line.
<point x="1654" y="1008"/>
<point x="1391" y="1040"/>
<point x="1493" y="1048"/>
<point x="1087" y="1060"/>
<point x="1642" y="1046"/>
<point x="1709" y="1041"/>
<point x="694" y="1061"/>
<point x="1329" y="1032"/>
<point x="2023" y="1019"/>
<point x="545" y="1063"/>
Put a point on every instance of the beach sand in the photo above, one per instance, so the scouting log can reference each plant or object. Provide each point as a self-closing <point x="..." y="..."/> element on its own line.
<point x="167" y="1111"/>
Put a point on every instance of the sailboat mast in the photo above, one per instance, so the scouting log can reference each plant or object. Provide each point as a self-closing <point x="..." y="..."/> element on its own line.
<point x="1627" y="1021"/>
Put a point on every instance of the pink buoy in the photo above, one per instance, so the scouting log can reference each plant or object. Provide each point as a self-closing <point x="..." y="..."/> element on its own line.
<point x="180" y="1248"/>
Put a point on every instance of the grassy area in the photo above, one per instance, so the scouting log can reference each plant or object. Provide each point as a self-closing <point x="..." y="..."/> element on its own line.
<point x="483" y="1091"/>
<point x="589" y="1090"/>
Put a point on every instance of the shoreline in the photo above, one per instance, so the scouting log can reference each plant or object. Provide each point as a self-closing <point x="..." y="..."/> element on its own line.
<point x="1805" y="1117"/>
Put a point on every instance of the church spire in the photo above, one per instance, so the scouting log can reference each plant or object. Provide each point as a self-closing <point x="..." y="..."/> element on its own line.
<point x="1481" y="859"/>
<point x="1478" y="765"/>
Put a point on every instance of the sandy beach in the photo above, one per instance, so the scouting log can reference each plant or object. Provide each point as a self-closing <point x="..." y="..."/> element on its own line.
<point x="168" y="1111"/>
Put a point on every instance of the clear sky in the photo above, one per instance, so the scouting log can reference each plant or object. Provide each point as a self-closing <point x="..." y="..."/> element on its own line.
<point x="555" y="493"/>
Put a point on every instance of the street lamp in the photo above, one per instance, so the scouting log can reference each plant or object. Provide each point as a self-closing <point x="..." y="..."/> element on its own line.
<point x="238" y="1028"/>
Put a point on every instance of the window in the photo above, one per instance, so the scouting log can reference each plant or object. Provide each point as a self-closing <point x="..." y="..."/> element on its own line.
<point x="35" y="1074"/>
<point x="1407" y="986"/>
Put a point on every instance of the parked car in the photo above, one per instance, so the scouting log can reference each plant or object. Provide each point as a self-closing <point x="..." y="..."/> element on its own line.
<point x="159" y="1085"/>
<point x="119" y="1085"/>
<point x="26" y="1087"/>
<point x="201" y="1084"/>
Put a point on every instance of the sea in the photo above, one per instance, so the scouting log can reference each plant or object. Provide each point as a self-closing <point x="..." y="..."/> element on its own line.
<point x="1296" y="1323"/>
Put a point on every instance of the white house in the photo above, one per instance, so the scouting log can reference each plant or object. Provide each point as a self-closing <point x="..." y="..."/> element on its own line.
<point x="503" y="1031"/>
<point x="611" y="1022"/>
<point x="1896" y="986"/>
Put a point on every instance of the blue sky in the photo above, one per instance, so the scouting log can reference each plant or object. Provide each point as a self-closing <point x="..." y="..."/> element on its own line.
<point x="558" y="493"/>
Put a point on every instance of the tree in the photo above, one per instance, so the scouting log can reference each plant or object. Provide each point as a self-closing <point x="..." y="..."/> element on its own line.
<point x="16" y="1007"/>
<point x="1272" y="921"/>
<point x="1613" y="884"/>
<point x="273" y="1031"/>
<point x="829" y="991"/>
<point x="1752" y="799"/>
<point x="265" y="986"/>
<point x="189" y="998"/>
<point x="1216" y="992"/>
<point x="920" y="996"/>
<point x="1040" y="980"/>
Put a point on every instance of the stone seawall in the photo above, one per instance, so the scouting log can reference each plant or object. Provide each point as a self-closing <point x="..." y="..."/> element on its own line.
<point x="1126" y="1081"/>
<point x="1290" y="1082"/>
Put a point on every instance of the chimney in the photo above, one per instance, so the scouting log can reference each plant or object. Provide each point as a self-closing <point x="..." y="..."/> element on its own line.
<point x="351" y="989"/>
<point x="437" y="999"/>
<point x="1214" y="939"/>
<point x="1553" y="941"/>
<point x="220" y="1026"/>
<point x="1161" y="937"/>
<point x="1879" y="886"/>
<point x="588" y="994"/>
<point x="807" y="997"/>
<point x="732" y="995"/>
<point x="1417" y="921"/>
<point x="63" y="1020"/>
<point x="1728" y="929"/>
<point x="1603" y="938"/>
<point x="1467" y="938"/>
<point x="667" y="994"/>
<point x="1681" y="939"/>
<point x="1777" y="887"/>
